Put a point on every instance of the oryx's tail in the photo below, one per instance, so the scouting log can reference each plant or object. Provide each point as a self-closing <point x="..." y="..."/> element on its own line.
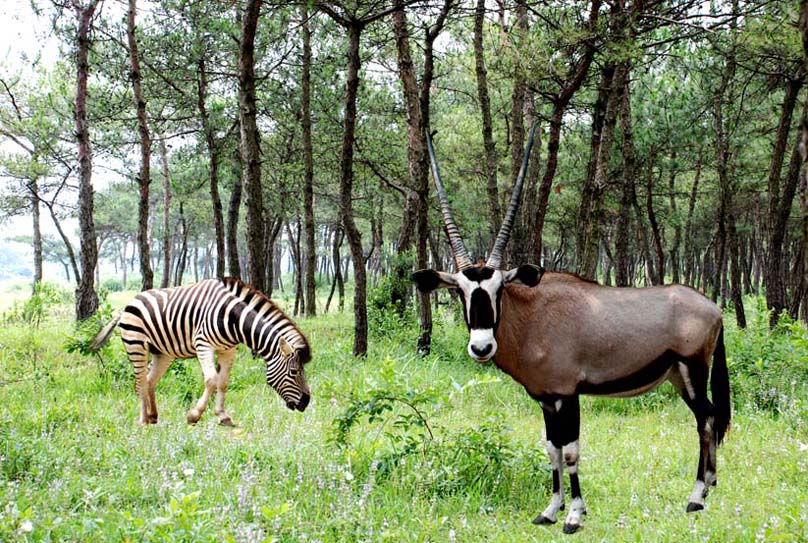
<point x="104" y="335"/>
<point x="719" y="386"/>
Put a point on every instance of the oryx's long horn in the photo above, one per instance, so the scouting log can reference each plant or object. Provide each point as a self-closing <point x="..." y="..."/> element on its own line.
<point x="461" y="256"/>
<point x="495" y="258"/>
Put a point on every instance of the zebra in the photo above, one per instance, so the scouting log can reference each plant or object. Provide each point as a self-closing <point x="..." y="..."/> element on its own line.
<point x="209" y="318"/>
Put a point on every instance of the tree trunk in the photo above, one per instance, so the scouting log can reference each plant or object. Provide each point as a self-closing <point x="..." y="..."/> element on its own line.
<point x="144" y="177"/>
<point x="250" y="148"/>
<point x="776" y="263"/>
<point x="677" y="229"/>
<point x="659" y="277"/>
<point x="338" y="282"/>
<point x="37" y="242"/>
<point x="166" y="217"/>
<point x="86" y="297"/>
<point x="233" y="265"/>
<point x="689" y="272"/>
<point x="308" y="162"/>
<point x="485" y="110"/>
<point x="213" y="162"/>
<point x="575" y="78"/>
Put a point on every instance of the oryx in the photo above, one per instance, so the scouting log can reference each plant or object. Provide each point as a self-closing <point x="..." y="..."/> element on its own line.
<point x="561" y="336"/>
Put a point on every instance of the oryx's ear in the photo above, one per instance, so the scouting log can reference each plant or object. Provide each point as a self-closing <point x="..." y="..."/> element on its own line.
<point x="286" y="349"/>
<point x="429" y="280"/>
<point x="526" y="274"/>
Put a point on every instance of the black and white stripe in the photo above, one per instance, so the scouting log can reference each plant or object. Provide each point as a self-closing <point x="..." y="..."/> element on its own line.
<point x="208" y="319"/>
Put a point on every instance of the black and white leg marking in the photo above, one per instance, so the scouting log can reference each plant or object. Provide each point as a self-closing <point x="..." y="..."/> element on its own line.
<point x="562" y="419"/>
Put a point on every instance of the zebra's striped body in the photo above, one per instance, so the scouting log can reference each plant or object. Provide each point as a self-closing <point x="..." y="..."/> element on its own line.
<point x="206" y="320"/>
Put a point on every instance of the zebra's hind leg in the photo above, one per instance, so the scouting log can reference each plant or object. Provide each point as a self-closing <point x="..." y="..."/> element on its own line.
<point x="225" y="364"/>
<point x="205" y="354"/>
<point x="138" y="354"/>
<point x="159" y="365"/>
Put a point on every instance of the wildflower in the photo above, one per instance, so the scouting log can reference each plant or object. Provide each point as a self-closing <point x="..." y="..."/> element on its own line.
<point x="26" y="526"/>
<point x="188" y="472"/>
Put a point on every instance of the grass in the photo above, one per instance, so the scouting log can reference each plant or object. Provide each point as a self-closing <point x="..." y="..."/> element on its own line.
<point x="74" y="466"/>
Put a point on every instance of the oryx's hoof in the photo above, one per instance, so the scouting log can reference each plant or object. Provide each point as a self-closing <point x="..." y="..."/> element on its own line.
<point x="227" y="421"/>
<point x="571" y="528"/>
<point x="692" y="506"/>
<point x="541" y="520"/>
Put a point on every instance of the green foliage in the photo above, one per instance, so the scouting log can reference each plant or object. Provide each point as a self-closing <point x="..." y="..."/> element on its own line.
<point x="769" y="368"/>
<point x="45" y="299"/>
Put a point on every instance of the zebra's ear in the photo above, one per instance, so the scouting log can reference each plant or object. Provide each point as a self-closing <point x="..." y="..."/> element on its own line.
<point x="286" y="349"/>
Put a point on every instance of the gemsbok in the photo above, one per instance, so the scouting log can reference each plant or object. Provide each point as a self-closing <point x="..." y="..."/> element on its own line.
<point x="206" y="320"/>
<point x="561" y="336"/>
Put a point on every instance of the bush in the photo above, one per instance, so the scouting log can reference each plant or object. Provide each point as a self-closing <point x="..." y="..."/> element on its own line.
<point x="769" y="367"/>
<point x="112" y="285"/>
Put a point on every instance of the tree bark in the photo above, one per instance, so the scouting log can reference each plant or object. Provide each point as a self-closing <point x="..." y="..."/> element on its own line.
<point x="308" y="163"/>
<point x="250" y="148"/>
<point x="37" y="242"/>
<point x="213" y="162"/>
<point x="485" y="110"/>
<point x="86" y="297"/>
<point x="677" y="228"/>
<point x="575" y="78"/>
<point x="780" y="207"/>
<point x="659" y="277"/>
<point x="166" y="217"/>
<point x="689" y="272"/>
<point x="233" y="265"/>
<point x="144" y="177"/>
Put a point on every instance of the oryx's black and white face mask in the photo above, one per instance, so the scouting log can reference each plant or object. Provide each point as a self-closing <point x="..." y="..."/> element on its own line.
<point x="480" y="289"/>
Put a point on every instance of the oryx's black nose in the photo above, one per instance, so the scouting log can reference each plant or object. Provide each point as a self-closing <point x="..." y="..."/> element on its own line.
<point x="482" y="352"/>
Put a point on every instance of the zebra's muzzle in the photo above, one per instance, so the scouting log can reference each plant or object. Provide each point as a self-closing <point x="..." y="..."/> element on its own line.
<point x="301" y="404"/>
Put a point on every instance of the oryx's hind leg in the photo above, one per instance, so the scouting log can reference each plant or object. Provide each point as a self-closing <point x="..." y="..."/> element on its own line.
<point x="225" y="364"/>
<point x="159" y="365"/>
<point x="562" y="419"/>
<point x="690" y="378"/>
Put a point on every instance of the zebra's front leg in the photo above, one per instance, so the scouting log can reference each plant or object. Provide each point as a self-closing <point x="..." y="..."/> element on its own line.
<point x="205" y="354"/>
<point x="225" y="365"/>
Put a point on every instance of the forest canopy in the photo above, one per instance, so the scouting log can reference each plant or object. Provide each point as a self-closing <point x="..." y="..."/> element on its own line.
<point x="204" y="139"/>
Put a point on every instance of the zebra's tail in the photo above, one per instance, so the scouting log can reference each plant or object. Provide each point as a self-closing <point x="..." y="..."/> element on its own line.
<point x="104" y="335"/>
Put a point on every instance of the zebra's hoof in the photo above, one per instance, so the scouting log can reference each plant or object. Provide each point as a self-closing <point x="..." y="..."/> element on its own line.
<point x="571" y="528"/>
<point x="692" y="506"/>
<point x="193" y="416"/>
<point x="541" y="520"/>
<point x="227" y="422"/>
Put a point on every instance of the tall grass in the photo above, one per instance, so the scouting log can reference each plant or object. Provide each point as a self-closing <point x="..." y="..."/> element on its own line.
<point x="394" y="447"/>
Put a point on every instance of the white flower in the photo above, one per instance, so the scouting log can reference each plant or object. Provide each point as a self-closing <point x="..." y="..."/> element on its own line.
<point x="188" y="472"/>
<point x="348" y="475"/>
<point x="26" y="526"/>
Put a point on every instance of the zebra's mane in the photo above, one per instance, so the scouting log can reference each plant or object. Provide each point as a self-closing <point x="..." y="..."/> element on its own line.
<point x="239" y="287"/>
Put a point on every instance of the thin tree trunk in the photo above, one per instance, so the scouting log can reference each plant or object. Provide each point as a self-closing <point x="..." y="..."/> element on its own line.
<point x="250" y="148"/>
<point x="308" y="162"/>
<point x="485" y="110"/>
<point x="233" y="265"/>
<point x="37" y="242"/>
<point x="659" y="277"/>
<point x="689" y="272"/>
<point x="677" y="229"/>
<point x="575" y="78"/>
<point x="144" y="177"/>
<point x="86" y="297"/>
<point x="166" y="217"/>
<point x="213" y="163"/>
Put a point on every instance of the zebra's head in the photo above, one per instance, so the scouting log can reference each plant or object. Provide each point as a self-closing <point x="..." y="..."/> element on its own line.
<point x="285" y="373"/>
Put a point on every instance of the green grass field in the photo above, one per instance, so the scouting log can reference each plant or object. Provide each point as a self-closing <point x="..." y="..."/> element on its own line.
<point x="76" y="467"/>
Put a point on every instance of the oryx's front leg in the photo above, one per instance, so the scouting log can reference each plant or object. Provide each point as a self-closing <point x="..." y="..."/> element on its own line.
<point x="562" y="419"/>
<point x="205" y="354"/>
<point x="225" y="365"/>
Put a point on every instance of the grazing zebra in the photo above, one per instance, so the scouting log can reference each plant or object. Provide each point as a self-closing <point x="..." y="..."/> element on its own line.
<point x="200" y="320"/>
